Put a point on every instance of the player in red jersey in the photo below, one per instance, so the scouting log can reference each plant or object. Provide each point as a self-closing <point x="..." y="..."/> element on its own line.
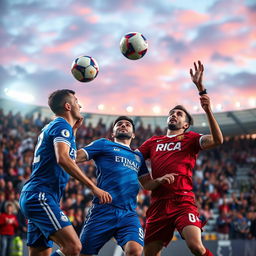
<point x="173" y="205"/>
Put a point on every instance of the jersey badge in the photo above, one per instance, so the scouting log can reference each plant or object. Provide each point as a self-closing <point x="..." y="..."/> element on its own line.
<point x="137" y="158"/>
<point x="63" y="217"/>
<point x="65" y="133"/>
<point x="180" y="137"/>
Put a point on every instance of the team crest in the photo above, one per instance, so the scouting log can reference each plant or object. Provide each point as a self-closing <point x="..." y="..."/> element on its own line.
<point x="65" y="133"/>
<point x="180" y="137"/>
<point x="63" y="217"/>
<point x="137" y="158"/>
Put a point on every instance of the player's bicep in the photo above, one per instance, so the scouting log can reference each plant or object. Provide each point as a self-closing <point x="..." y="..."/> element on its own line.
<point x="61" y="151"/>
<point x="81" y="156"/>
<point x="206" y="142"/>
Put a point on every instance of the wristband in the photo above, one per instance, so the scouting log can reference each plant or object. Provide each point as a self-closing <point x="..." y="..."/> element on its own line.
<point x="203" y="92"/>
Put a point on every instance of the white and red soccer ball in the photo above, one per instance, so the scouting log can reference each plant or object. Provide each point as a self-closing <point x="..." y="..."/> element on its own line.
<point x="85" y="68"/>
<point x="133" y="45"/>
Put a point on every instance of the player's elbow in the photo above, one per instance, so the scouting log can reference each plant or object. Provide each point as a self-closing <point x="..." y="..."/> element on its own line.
<point x="219" y="140"/>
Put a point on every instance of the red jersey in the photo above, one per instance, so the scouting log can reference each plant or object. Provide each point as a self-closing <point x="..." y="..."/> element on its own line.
<point x="8" y="224"/>
<point x="172" y="154"/>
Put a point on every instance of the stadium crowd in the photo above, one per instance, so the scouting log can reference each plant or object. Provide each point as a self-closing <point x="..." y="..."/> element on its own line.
<point x="216" y="184"/>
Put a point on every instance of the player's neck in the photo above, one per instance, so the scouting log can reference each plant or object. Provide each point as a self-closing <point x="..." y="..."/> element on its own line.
<point x="125" y="142"/>
<point x="174" y="132"/>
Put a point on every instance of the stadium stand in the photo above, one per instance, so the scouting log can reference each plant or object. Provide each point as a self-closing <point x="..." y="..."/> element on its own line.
<point x="224" y="178"/>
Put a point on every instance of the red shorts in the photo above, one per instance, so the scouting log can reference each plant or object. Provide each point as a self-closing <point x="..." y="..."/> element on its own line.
<point x="165" y="215"/>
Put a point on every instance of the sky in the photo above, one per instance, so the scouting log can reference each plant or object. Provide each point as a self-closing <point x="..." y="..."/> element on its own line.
<point x="40" y="40"/>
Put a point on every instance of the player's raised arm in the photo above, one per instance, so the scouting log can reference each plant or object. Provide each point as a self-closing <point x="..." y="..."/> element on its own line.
<point x="150" y="184"/>
<point x="64" y="160"/>
<point x="216" y="137"/>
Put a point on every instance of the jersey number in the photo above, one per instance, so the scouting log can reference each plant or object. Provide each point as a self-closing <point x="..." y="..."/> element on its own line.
<point x="141" y="233"/>
<point x="39" y="142"/>
<point x="191" y="217"/>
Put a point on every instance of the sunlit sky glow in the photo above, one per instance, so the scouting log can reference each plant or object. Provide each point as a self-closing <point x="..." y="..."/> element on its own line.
<point x="40" y="39"/>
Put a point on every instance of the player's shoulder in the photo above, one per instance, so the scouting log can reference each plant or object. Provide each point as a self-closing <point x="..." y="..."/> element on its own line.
<point x="156" y="138"/>
<point x="59" y="123"/>
<point x="98" y="142"/>
<point x="192" y="134"/>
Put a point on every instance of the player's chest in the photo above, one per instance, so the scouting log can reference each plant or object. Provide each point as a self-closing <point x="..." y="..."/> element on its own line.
<point x="124" y="159"/>
<point x="163" y="146"/>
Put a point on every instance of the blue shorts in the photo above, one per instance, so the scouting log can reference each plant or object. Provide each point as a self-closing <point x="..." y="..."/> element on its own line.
<point x="104" y="222"/>
<point x="44" y="217"/>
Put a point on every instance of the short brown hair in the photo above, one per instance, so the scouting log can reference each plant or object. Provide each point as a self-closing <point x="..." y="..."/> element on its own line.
<point x="188" y="116"/>
<point x="125" y="118"/>
<point x="57" y="100"/>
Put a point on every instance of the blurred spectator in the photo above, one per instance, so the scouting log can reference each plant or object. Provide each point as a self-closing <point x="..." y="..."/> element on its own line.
<point x="223" y="225"/>
<point x="8" y="227"/>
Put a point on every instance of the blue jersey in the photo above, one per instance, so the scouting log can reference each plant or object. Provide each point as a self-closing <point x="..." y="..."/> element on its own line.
<point x="47" y="175"/>
<point x="118" y="170"/>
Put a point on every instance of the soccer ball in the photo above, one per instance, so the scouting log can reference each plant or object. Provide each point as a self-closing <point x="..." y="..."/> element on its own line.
<point x="84" y="68"/>
<point x="133" y="45"/>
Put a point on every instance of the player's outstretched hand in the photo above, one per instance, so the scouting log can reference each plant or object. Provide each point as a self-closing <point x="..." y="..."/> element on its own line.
<point x="197" y="75"/>
<point x="104" y="197"/>
<point x="167" y="178"/>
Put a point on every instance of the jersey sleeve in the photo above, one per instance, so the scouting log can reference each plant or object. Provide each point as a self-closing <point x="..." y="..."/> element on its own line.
<point x="143" y="169"/>
<point x="62" y="132"/>
<point x="195" y="138"/>
<point x="145" y="149"/>
<point x="94" y="148"/>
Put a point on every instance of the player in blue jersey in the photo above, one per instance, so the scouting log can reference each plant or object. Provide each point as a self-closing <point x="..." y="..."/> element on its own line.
<point x="119" y="170"/>
<point x="54" y="162"/>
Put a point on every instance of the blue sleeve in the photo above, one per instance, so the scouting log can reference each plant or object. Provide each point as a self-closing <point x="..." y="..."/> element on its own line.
<point x="62" y="132"/>
<point x="143" y="169"/>
<point x="94" y="148"/>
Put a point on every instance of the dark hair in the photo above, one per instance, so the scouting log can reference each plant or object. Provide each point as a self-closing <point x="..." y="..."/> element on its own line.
<point x="188" y="116"/>
<point x="125" y="118"/>
<point x="57" y="100"/>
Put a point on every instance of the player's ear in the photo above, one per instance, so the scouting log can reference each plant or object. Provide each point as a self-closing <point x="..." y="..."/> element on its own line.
<point x="133" y="135"/>
<point x="67" y="106"/>
<point x="112" y="135"/>
<point x="185" y="126"/>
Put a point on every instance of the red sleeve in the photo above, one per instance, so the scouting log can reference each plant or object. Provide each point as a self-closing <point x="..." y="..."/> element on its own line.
<point x="145" y="149"/>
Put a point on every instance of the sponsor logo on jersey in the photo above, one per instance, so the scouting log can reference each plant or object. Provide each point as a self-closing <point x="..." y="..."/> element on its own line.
<point x="65" y="133"/>
<point x="116" y="149"/>
<point x="168" y="146"/>
<point x="127" y="163"/>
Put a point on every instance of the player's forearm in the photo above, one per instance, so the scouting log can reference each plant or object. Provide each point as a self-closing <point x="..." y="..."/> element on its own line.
<point x="72" y="169"/>
<point x="214" y="128"/>
<point x="150" y="184"/>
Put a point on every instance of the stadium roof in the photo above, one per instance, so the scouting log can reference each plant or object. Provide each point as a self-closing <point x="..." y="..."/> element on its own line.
<point x="232" y="123"/>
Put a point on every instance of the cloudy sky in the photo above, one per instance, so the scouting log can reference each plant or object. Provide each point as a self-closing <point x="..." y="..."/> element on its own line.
<point x="40" y="39"/>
